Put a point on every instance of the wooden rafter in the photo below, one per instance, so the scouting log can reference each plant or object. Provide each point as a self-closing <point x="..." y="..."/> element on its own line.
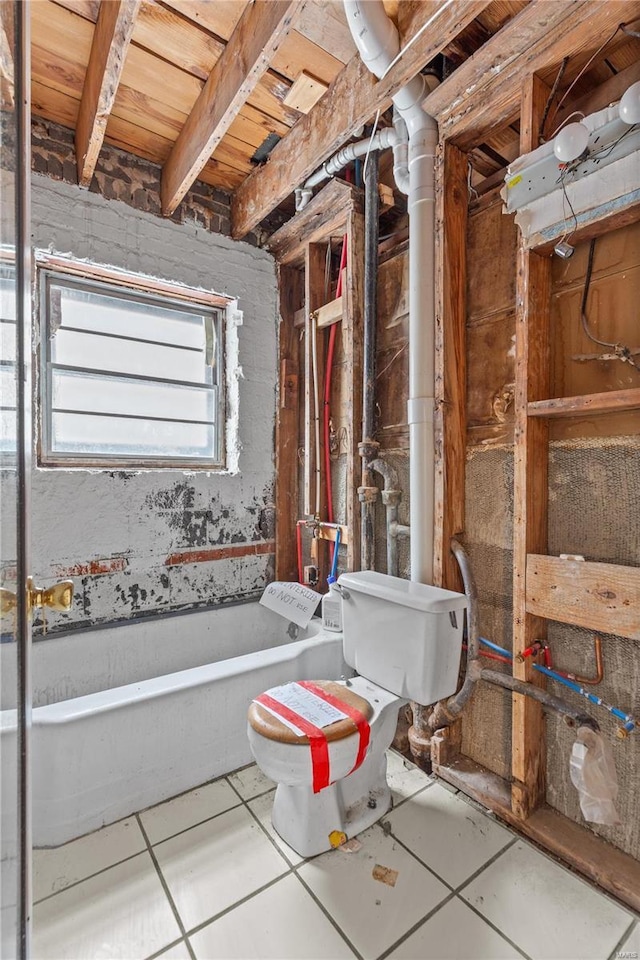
<point x="481" y="95"/>
<point x="484" y="93"/>
<point x="353" y="97"/>
<point x="114" y="27"/>
<point x="258" y="34"/>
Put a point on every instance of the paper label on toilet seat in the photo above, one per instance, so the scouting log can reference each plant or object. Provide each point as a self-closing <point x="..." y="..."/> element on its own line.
<point x="306" y="705"/>
<point x="279" y="706"/>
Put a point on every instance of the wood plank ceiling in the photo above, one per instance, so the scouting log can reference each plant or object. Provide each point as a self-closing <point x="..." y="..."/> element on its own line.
<point x="197" y="86"/>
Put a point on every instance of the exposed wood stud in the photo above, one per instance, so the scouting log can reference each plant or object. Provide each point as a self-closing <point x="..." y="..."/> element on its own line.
<point x="286" y="497"/>
<point x="531" y="454"/>
<point x="451" y="308"/>
<point x="258" y="34"/>
<point x="113" y="30"/>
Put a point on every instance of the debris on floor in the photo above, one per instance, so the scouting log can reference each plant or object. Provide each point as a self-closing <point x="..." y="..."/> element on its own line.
<point x="385" y="875"/>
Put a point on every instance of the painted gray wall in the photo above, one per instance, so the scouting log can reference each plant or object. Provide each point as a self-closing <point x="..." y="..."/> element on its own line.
<point x="136" y="520"/>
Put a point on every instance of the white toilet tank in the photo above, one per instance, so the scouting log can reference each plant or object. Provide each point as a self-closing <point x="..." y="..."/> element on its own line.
<point x="404" y="636"/>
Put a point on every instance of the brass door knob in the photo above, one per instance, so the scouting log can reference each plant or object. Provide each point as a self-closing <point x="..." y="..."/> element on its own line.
<point x="57" y="597"/>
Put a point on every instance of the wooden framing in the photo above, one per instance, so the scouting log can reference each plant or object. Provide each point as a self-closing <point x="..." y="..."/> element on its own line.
<point x="451" y="307"/>
<point x="300" y="248"/>
<point x="351" y="100"/>
<point x="483" y="94"/>
<point x="111" y="38"/>
<point x="260" y="30"/>
<point x="533" y="297"/>
<point x="596" y="595"/>
<point x="291" y="287"/>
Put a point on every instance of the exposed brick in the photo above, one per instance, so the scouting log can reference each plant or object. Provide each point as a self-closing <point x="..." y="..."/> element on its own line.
<point x="70" y="171"/>
<point x="54" y="168"/>
<point x="129" y="179"/>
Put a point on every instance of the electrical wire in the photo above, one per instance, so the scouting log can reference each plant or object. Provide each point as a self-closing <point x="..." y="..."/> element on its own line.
<point x="366" y="156"/>
<point x="554" y="90"/>
<point x="425" y="26"/>
<point x="584" y="69"/>
<point x="622" y="353"/>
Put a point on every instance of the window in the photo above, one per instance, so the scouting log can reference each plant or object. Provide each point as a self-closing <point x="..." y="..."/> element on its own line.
<point x="128" y="377"/>
<point x="7" y="361"/>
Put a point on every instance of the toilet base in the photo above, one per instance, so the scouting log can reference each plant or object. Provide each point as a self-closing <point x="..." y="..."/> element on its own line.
<point x="305" y="819"/>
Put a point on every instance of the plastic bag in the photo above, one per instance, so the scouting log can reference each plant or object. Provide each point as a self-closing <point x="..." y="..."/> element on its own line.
<point x="593" y="774"/>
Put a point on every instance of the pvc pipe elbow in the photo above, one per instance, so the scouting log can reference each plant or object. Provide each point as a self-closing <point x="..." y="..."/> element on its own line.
<point x="374" y="34"/>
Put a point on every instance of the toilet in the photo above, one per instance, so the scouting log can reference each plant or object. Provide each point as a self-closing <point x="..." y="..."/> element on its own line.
<point x="324" y="743"/>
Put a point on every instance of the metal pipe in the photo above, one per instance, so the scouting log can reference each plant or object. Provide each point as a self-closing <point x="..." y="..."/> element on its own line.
<point x="22" y="200"/>
<point x="368" y="492"/>
<point x="390" y="498"/>
<point x="446" y="711"/>
<point x="547" y="699"/>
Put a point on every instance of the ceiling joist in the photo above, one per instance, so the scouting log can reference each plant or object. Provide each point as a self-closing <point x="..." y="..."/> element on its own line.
<point x="114" y="27"/>
<point x="484" y="93"/>
<point x="353" y="97"/>
<point x="255" y="39"/>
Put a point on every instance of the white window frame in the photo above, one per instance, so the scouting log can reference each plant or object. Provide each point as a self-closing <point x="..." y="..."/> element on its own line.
<point x="136" y="288"/>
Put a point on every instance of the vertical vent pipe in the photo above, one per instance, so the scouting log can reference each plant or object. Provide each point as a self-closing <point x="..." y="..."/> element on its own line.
<point x="378" y="43"/>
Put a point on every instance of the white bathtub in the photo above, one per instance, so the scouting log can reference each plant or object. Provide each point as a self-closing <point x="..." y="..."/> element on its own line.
<point x="128" y="716"/>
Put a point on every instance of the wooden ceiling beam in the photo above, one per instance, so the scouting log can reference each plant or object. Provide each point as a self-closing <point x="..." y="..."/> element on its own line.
<point x="484" y="93"/>
<point x="351" y="100"/>
<point x="6" y="56"/>
<point x="261" y="29"/>
<point x="114" y="27"/>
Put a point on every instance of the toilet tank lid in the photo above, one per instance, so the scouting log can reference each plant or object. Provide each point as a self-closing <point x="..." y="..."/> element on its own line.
<point x="419" y="596"/>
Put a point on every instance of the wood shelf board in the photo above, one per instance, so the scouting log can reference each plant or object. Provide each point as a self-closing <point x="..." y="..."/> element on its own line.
<point x="598" y="596"/>
<point x="612" y="401"/>
<point x="579" y="848"/>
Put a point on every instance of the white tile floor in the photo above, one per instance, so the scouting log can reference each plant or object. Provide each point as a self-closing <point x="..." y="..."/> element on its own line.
<point x="204" y="876"/>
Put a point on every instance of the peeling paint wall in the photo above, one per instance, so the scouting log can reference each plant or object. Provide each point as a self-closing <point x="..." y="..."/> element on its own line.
<point x="165" y="540"/>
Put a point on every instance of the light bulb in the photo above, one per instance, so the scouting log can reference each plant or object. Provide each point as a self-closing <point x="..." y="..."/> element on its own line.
<point x="629" y="106"/>
<point x="571" y="142"/>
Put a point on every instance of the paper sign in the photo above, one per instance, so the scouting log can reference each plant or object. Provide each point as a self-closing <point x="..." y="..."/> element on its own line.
<point x="306" y="705"/>
<point x="292" y="601"/>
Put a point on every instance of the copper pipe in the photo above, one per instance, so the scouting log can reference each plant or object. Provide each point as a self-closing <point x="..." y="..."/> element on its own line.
<point x="599" y="677"/>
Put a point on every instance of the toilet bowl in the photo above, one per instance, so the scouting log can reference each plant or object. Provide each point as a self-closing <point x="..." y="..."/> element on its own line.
<point x="355" y="798"/>
<point x="404" y="639"/>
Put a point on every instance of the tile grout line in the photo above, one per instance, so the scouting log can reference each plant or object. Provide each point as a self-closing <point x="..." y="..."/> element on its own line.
<point x="322" y="908"/>
<point x="453" y="894"/>
<point x="91" y="876"/>
<point x="165" y="887"/>
<point x="617" y="950"/>
<point x="170" y="946"/>
<point x="405" y="936"/>
<point x="238" y="903"/>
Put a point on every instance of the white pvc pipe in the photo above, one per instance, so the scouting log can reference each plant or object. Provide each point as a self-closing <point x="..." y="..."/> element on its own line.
<point x="378" y="44"/>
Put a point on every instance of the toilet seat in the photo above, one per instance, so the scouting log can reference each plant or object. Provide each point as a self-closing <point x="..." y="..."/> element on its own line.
<point x="272" y="728"/>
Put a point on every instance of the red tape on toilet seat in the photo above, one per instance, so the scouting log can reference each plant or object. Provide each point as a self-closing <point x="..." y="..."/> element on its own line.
<point x="356" y="715"/>
<point x="317" y="737"/>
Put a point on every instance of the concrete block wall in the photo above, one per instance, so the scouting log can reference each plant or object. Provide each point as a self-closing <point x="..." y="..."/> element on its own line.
<point x="140" y="543"/>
